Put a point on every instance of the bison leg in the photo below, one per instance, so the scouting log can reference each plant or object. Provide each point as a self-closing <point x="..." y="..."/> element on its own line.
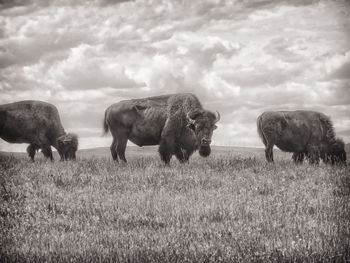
<point x="188" y="151"/>
<point x="314" y="155"/>
<point x="181" y="154"/>
<point x="114" y="150"/>
<point x="165" y="156"/>
<point x="61" y="157"/>
<point x="46" y="150"/>
<point x="314" y="159"/>
<point x="298" y="157"/>
<point x="31" y="150"/>
<point x="120" y="139"/>
<point x="167" y="143"/>
<point x="166" y="149"/>
<point x="121" y="146"/>
<point x="269" y="153"/>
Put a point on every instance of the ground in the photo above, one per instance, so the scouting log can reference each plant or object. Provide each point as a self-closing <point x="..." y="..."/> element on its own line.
<point x="230" y="207"/>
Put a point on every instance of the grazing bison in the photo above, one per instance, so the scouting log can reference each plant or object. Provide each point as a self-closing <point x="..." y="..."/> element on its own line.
<point x="177" y="123"/>
<point x="304" y="133"/>
<point x="37" y="123"/>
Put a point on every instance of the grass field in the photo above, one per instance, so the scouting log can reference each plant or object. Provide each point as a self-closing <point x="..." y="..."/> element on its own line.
<point x="229" y="207"/>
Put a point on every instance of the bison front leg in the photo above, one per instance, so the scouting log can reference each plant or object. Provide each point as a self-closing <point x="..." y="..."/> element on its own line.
<point x="165" y="155"/>
<point x="298" y="157"/>
<point x="46" y="150"/>
<point x="166" y="149"/>
<point x="31" y="150"/>
<point x="181" y="154"/>
<point x="62" y="158"/>
<point x="314" y="155"/>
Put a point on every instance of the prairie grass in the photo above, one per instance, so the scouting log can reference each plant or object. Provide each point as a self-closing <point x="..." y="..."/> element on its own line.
<point x="230" y="207"/>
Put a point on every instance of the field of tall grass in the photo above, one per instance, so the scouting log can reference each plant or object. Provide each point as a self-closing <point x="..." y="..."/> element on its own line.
<point x="229" y="207"/>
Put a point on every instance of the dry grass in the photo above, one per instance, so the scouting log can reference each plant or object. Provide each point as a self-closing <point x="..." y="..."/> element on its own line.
<point x="229" y="207"/>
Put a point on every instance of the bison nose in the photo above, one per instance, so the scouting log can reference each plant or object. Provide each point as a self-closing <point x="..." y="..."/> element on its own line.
<point x="206" y="141"/>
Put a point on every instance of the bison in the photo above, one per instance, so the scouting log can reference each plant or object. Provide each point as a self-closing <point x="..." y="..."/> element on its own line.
<point x="304" y="133"/>
<point x="177" y="123"/>
<point x="37" y="123"/>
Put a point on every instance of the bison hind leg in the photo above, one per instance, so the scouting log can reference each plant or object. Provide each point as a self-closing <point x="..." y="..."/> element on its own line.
<point x="298" y="157"/>
<point x="118" y="147"/>
<point x="114" y="150"/>
<point x="31" y="150"/>
<point x="121" y="146"/>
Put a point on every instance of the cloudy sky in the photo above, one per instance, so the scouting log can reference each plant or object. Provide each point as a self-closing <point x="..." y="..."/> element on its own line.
<point x="239" y="57"/>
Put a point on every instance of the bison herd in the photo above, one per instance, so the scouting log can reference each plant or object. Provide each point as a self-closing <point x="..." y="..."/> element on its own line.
<point x="177" y="123"/>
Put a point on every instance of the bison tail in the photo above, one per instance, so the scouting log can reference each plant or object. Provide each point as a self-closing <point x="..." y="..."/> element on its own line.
<point x="260" y="131"/>
<point x="105" y="124"/>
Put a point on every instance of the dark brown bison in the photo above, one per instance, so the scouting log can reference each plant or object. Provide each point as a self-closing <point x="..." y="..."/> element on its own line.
<point x="177" y="123"/>
<point x="37" y="123"/>
<point x="307" y="134"/>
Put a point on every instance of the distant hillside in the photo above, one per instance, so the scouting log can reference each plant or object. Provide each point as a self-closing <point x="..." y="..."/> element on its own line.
<point x="153" y="150"/>
<point x="138" y="151"/>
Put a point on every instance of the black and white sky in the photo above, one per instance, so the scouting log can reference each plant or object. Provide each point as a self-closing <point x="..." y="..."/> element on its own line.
<point x="240" y="57"/>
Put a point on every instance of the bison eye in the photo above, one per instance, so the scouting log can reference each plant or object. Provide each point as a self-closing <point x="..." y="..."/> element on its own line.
<point x="191" y="126"/>
<point x="215" y="127"/>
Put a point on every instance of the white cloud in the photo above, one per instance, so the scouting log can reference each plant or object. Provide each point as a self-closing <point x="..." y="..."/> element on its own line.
<point x="86" y="68"/>
<point x="239" y="57"/>
<point x="218" y="87"/>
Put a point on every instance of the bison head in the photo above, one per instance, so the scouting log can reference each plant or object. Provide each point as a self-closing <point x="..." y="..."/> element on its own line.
<point x="335" y="152"/>
<point x="203" y="124"/>
<point x="67" y="145"/>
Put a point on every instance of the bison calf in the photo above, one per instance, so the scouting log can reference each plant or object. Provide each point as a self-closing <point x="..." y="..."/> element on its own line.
<point x="37" y="123"/>
<point x="307" y="134"/>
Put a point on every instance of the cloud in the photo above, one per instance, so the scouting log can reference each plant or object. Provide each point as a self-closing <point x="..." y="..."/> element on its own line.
<point x="338" y="66"/>
<point x="239" y="57"/>
<point x="85" y="68"/>
<point x="184" y="62"/>
<point x="24" y="44"/>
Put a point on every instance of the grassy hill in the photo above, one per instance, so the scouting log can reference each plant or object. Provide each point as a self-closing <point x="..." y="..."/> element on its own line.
<point x="230" y="207"/>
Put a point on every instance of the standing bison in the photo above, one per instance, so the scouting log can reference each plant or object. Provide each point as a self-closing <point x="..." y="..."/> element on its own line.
<point x="177" y="123"/>
<point x="304" y="133"/>
<point x="37" y="123"/>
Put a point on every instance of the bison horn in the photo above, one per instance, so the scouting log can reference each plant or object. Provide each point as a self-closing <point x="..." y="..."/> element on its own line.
<point x="217" y="116"/>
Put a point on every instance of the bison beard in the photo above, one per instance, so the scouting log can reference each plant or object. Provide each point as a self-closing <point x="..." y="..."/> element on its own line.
<point x="204" y="151"/>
